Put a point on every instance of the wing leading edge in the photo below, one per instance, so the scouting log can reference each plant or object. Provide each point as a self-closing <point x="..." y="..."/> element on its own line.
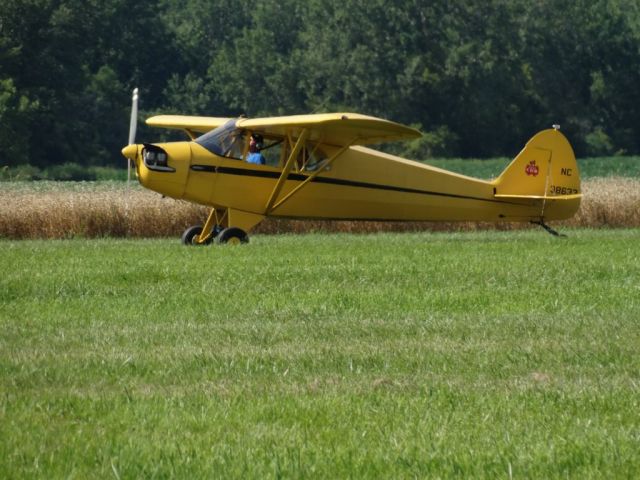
<point x="186" y="122"/>
<point x="329" y="128"/>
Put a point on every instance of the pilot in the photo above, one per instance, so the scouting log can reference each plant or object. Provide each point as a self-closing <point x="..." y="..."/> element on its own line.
<point x="255" y="145"/>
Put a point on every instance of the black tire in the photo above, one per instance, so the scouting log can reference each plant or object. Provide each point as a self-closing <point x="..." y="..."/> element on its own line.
<point x="216" y="231"/>
<point x="232" y="235"/>
<point x="190" y="234"/>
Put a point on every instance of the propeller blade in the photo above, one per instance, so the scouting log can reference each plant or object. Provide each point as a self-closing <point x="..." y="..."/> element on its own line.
<point x="133" y="124"/>
<point x="134" y="117"/>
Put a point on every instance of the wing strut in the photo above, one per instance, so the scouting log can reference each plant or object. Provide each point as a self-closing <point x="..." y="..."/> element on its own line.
<point x="321" y="168"/>
<point x="286" y="170"/>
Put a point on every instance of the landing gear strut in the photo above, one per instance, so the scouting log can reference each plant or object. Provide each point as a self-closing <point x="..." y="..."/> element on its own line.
<point x="205" y="235"/>
<point x="218" y="228"/>
<point x="191" y="235"/>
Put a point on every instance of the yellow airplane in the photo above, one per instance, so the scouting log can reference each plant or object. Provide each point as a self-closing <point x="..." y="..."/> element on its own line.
<point x="317" y="167"/>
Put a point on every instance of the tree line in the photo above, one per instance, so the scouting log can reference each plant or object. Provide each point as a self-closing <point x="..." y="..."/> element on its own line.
<point x="478" y="78"/>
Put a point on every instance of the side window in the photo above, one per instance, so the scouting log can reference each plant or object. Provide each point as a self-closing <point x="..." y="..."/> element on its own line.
<point x="276" y="151"/>
<point x="312" y="157"/>
<point x="309" y="157"/>
<point x="273" y="151"/>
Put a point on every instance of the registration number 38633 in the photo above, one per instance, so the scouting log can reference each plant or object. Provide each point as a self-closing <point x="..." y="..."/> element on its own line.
<point x="558" y="190"/>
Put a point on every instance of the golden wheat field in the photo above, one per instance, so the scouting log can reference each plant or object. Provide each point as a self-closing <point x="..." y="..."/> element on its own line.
<point x="110" y="209"/>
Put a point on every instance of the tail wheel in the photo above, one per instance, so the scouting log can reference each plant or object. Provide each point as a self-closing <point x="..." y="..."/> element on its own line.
<point x="232" y="236"/>
<point x="190" y="236"/>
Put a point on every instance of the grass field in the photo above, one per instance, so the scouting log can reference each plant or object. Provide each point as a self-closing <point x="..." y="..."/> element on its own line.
<point x="589" y="167"/>
<point x="482" y="355"/>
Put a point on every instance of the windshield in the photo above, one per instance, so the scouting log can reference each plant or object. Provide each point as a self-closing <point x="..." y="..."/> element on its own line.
<point x="225" y="141"/>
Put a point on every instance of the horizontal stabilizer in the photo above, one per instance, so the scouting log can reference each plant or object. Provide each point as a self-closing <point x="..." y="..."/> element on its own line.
<point x="542" y="197"/>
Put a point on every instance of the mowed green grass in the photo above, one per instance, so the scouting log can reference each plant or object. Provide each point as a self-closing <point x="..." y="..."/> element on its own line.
<point x="589" y="167"/>
<point x="484" y="355"/>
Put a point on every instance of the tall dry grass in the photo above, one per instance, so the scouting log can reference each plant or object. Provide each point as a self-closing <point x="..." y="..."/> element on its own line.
<point x="61" y="210"/>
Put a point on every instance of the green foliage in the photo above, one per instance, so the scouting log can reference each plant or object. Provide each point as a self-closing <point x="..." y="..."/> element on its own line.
<point x="599" y="143"/>
<point x="479" y="77"/>
<point x="15" y="113"/>
<point x="338" y="356"/>
<point x="20" y="173"/>
<point x="437" y="143"/>
<point x="64" y="172"/>
<point x="69" y="171"/>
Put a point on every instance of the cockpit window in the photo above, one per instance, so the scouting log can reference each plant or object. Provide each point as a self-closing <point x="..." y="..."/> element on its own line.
<point x="224" y="141"/>
<point x="232" y="142"/>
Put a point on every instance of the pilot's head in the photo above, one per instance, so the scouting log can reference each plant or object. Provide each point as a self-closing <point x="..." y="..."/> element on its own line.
<point x="255" y="143"/>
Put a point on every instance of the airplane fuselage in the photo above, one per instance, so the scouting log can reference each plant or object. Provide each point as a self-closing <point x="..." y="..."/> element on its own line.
<point x="361" y="184"/>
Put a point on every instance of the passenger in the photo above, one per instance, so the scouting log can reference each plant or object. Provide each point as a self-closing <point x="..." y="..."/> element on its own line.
<point x="255" y="145"/>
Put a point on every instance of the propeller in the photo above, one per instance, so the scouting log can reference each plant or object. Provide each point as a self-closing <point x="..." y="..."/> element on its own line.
<point x="133" y="124"/>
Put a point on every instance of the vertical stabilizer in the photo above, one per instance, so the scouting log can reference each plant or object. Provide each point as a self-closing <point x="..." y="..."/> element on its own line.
<point x="545" y="169"/>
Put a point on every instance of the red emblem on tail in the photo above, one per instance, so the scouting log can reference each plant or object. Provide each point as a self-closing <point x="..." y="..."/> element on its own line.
<point x="532" y="168"/>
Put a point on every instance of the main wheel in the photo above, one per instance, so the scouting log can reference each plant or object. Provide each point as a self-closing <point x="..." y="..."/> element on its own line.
<point x="232" y="236"/>
<point x="190" y="236"/>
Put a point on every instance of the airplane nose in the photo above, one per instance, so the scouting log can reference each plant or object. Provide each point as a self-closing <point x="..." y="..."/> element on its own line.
<point x="130" y="151"/>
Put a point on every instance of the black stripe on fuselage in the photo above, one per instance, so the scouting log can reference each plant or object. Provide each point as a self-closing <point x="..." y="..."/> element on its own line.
<point x="336" y="181"/>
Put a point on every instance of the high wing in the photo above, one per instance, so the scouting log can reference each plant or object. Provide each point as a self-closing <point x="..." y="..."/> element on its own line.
<point x="333" y="128"/>
<point x="329" y="128"/>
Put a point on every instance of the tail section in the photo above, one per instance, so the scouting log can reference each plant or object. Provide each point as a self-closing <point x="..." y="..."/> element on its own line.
<point x="544" y="171"/>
